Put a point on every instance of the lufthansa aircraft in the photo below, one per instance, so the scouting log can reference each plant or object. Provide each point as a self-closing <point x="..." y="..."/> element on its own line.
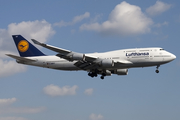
<point x="107" y="63"/>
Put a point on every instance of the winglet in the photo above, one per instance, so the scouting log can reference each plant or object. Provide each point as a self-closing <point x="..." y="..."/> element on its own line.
<point x="35" y="41"/>
<point x="38" y="43"/>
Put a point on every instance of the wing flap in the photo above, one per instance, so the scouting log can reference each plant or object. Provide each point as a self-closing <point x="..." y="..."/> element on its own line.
<point x="85" y="65"/>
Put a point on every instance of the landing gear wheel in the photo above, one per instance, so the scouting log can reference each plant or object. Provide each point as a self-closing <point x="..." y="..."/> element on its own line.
<point x="102" y="77"/>
<point x="92" y="74"/>
<point x="89" y="74"/>
<point x="157" y="71"/>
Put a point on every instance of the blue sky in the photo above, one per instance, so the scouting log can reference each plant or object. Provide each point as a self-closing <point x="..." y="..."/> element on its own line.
<point x="32" y="93"/>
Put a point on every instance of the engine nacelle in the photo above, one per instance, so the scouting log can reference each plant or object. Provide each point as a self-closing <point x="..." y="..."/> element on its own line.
<point x="76" y="56"/>
<point x="72" y="56"/>
<point x="121" y="71"/>
<point x="108" y="73"/>
<point x="107" y="63"/>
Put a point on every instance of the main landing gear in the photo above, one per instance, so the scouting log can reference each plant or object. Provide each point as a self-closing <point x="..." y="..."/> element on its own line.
<point x="103" y="75"/>
<point x="94" y="74"/>
<point x="157" y="71"/>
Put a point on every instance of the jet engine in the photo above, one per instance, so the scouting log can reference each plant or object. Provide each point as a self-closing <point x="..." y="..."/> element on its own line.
<point x="73" y="56"/>
<point x="107" y="73"/>
<point x="121" y="71"/>
<point x="107" y="63"/>
<point x="76" y="56"/>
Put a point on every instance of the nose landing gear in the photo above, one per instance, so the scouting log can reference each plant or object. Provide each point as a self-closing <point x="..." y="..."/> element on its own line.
<point x="157" y="71"/>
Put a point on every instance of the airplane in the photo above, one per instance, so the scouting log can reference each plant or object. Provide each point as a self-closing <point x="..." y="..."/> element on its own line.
<point x="104" y="64"/>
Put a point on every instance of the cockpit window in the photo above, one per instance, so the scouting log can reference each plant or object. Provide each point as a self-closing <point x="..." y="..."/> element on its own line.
<point x="161" y="49"/>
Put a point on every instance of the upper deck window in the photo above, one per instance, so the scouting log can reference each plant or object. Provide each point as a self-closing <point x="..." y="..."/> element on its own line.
<point x="161" y="49"/>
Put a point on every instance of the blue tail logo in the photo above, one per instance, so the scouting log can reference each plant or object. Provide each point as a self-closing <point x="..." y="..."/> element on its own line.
<point x="25" y="48"/>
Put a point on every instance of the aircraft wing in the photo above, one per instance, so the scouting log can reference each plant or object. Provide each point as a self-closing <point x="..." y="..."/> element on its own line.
<point x="21" y="58"/>
<point x="53" y="48"/>
<point x="67" y="54"/>
<point x="83" y="61"/>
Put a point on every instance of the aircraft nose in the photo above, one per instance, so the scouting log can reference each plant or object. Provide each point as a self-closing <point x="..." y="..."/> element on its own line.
<point x="173" y="56"/>
<point x="170" y="57"/>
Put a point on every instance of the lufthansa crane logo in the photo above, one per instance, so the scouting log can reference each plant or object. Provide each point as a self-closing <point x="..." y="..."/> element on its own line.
<point x="23" y="46"/>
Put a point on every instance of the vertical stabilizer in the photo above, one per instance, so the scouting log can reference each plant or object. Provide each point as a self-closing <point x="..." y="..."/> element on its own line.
<point x="25" y="48"/>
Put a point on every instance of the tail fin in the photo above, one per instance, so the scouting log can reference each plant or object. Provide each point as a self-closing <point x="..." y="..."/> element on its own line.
<point x="25" y="48"/>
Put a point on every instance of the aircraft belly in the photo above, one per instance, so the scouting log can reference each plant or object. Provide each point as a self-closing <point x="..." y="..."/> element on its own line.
<point x="65" y="66"/>
<point x="55" y="65"/>
<point x="139" y="64"/>
<point x="62" y="65"/>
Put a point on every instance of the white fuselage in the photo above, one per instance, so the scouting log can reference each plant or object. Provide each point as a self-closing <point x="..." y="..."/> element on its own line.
<point x="140" y="57"/>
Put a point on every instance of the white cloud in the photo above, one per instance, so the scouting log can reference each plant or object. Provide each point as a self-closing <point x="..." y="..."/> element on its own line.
<point x="88" y="91"/>
<point x="54" y="90"/>
<point x="74" y="21"/>
<point x="40" y="30"/>
<point x="158" y="8"/>
<point x="96" y="117"/>
<point x="12" y="118"/>
<point x="158" y="25"/>
<point x="7" y="101"/>
<point x="5" y="108"/>
<point x="125" y="19"/>
<point x="81" y="17"/>
<point x="9" y="67"/>
<point x="21" y="110"/>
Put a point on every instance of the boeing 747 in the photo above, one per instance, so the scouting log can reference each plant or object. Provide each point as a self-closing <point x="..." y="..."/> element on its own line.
<point x="104" y="64"/>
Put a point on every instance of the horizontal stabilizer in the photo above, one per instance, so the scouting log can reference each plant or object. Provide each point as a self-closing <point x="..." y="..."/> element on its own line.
<point x="21" y="58"/>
